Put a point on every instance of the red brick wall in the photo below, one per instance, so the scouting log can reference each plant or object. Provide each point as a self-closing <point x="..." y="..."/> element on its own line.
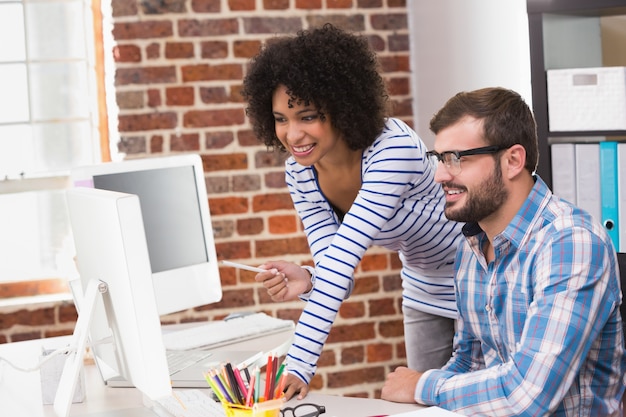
<point x="179" y="66"/>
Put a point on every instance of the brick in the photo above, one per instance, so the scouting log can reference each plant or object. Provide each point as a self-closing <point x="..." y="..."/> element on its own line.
<point x="217" y="184"/>
<point x="223" y="228"/>
<point x="377" y="43"/>
<point x="178" y="50"/>
<point x="206" y="6"/>
<point x="392" y="283"/>
<point x="151" y="121"/>
<point x="374" y="262"/>
<point x="228" y="205"/>
<point x="379" y="352"/>
<point x="265" y="159"/>
<point x="246" y="48"/>
<point x="396" y="3"/>
<point x="394" y="63"/>
<point x="278" y="225"/>
<point x="246" y="182"/>
<point x="121" y="8"/>
<point x="143" y="30"/>
<point x="366" y="285"/>
<point x="153" y="50"/>
<point x="339" y="4"/>
<point x="271" y="25"/>
<point x="67" y="313"/>
<point x="162" y="7"/>
<point x="354" y="23"/>
<point x="238" y="5"/>
<point x="207" y="27"/>
<point x="233" y="250"/>
<point x="352" y="309"/>
<point x="154" y="97"/>
<point x="235" y="298"/>
<point x="218" y="140"/>
<point x="228" y="276"/>
<point x="209" y="118"/>
<point x="389" y="21"/>
<point x="213" y="95"/>
<point x="358" y="376"/>
<point x="127" y="53"/>
<point x="308" y="4"/>
<point x="399" y="43"/>
<point x="179" y="96"/>
<point x="127" y="100"/>
<point x="327" y="358"/>
<point x="247" y="138"/>
<point x="382" y="307"/>
<point x="391" y="328"/>
<point x="402" y="107"/>
<point x="271" y="202"/>
<point x="156" y="144"/>
<point x="206" y="72"/>
<point x="369" y="4"/>
<point x="145" y="75"/>
<point x="275" y="179"/>
<point x="275" y="4"/>
<point x="280" y="247"/>
<point x="185" y="142"/>
<point x="213" y="163"/>
<point x="352" y="355"/>
<point x="398" y="86"/>
<point x="250" y="226"/>
<point x="214" y="49"/>
<point x="352" y="332"/>
<point x="132" y="144"/>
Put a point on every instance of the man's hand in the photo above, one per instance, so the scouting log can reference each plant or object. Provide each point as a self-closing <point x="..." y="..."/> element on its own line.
<point x="284" y="281"/>
<point x="400" y="385"/>
<point x="293" y="386"/>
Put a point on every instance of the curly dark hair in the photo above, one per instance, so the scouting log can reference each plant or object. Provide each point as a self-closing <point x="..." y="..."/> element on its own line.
<point x="333" y="70"/>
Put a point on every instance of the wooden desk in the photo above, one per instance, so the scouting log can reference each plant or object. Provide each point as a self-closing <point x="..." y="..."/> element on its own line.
<point x="20" y="392"/>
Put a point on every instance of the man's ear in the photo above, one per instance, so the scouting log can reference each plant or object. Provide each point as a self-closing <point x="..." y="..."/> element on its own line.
<point x="515" y="158"/>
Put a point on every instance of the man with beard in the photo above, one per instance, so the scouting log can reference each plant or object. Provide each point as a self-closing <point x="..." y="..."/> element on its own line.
<point x="537" y="282"/>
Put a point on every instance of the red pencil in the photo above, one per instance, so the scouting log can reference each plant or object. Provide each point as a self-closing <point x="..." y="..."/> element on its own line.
<point x="269" y="377"/>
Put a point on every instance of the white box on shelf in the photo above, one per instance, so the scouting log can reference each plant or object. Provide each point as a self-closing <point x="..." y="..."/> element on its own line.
<point x="584" y="99"/>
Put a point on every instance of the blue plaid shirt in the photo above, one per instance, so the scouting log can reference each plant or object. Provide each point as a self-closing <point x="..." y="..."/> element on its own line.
<point x="539" y="331"/>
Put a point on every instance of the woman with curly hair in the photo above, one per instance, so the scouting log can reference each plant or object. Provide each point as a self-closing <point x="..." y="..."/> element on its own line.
<point x="357" y="178"/>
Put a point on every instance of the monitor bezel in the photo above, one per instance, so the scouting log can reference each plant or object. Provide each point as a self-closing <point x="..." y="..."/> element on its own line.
<point x="183" y="288"/>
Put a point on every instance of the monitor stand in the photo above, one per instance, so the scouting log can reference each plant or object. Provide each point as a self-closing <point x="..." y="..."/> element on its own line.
<point x="74" y="360"/>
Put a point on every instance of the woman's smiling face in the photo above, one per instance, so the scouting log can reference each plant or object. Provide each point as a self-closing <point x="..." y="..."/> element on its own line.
<point x="302" y="129"/>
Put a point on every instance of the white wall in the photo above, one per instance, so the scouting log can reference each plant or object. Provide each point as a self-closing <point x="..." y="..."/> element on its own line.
<point x="460" y="45"/>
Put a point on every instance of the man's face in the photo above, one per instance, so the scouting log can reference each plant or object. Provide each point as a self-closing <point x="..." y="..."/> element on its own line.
<point x="477" y="191"/>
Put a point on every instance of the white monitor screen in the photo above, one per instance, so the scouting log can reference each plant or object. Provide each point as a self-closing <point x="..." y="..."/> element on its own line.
<point x="177" y="223"/>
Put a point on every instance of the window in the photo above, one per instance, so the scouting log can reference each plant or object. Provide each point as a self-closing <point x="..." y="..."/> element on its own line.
<point x="50" y="121"/>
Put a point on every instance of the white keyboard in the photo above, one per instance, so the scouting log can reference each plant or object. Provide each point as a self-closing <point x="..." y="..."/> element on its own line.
<point x="177" y="360"/>
<point x="188" y="403"/>
<point x="222" y="332"/>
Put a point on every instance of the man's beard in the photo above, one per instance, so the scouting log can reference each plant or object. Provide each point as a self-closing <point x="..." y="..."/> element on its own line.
<point x="484" y="200"/>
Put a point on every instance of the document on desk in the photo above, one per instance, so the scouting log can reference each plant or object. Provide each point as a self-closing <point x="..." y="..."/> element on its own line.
<point x="428" y="412"/>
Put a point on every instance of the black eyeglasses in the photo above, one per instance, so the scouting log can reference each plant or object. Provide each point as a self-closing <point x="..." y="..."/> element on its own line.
<point x="303" y="410"/>
<point x="452" y="159"/>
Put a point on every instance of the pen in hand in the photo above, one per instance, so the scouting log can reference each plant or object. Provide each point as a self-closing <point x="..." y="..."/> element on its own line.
<point x="242" y="266"/>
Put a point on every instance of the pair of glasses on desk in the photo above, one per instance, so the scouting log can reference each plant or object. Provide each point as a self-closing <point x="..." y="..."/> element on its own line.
<point x="303" y="410"/>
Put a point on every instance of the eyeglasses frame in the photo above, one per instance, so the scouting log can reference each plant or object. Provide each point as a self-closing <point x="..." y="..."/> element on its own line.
<point x="483" y="150"/>
<point x="320" y="409"/>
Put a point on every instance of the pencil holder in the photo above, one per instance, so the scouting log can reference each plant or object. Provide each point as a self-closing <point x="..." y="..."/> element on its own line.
<point x="261" y="409"/>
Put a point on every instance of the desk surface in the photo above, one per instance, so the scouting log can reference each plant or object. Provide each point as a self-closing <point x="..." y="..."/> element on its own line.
<point x="21" y="394"/>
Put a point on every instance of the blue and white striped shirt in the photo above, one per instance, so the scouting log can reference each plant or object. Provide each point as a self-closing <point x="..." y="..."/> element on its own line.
<point x="399" y="207"/>
<point x="539" y="330"/>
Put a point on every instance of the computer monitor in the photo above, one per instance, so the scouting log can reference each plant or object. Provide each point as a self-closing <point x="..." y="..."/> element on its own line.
<point x="118" y="311"/>
<point x="177" y="221"/>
